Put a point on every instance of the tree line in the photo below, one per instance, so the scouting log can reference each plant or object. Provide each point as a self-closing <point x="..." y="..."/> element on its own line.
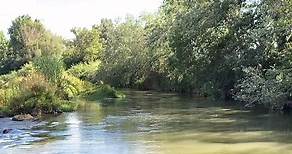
<point x="224" y="49"/>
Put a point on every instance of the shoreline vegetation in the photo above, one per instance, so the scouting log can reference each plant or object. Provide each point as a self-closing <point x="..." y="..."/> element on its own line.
<point x="228" y="50"/>
<point x="32" y="93"/>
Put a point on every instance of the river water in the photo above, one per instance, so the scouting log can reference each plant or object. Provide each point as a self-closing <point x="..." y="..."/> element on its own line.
<point x="152" y="123"/>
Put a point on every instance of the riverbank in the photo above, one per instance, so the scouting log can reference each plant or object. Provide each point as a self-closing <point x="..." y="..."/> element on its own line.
<point x="94" y="94"/>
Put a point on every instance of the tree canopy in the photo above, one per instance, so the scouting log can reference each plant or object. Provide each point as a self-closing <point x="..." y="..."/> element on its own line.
<point x="225" y="49"/>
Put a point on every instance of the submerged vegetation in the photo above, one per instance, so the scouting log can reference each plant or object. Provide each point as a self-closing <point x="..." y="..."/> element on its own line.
<point x="228" y="49"/>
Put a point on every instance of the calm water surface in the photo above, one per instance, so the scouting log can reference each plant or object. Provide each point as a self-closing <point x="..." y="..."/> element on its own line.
<point x="152" y="123"/>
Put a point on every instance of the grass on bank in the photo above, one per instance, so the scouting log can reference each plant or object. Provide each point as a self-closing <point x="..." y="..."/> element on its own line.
<point x="36" y="90"/>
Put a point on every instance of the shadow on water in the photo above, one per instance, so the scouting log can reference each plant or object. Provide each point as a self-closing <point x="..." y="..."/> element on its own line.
<point x="198" y="118"/>
<point x="152" y="122"/>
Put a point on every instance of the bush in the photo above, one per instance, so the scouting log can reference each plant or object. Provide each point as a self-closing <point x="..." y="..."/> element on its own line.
<point x="71" y="86"/>
<point x="7" y="94"/>
<point x="14" y="76"/>
<point x="51" y="66"/>
<point x="85" y="71"/>
<point x="27" y="91"/>
<point x="261" y="87"/>
<point x="35" y="94"/>
<point x="104" y="91"/>
<point x="5" y="111"/>
<point x="67" y="106"/>
<point x="39" y="88"/>
<point x="10" y="84"/>
<point x="68" y="86"/>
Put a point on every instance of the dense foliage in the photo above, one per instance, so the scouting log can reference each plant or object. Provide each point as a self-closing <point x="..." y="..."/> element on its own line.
<point x="124" y="59"/>
<point x="29" y="39"/>
<point x="85" y="48"/>
<point x="229" y="49"/>
<point x="226" y="49"/>
<point x="35" y="79"/>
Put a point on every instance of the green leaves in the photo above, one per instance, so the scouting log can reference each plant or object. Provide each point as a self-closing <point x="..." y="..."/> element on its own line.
<point x="124" y="60"/>
<point x="257" y="87"/>
<point x="28" y="39"/>
<point x="25" y="34"/>
<point x="216" y="48"/>
<point x="201" y="38"/>
<point x="209" y="45"/>
<point x="86" y="47"/>
<point x="51" y="66"/>
<point x="4" y="43"/>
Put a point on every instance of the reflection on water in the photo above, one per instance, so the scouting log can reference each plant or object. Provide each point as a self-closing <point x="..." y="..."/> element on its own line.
<point x="150" y="122"/>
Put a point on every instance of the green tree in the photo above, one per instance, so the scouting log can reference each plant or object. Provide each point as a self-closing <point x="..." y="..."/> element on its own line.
<point x="271" y="35"/>
<point x="25" y="34"/>
<point x="202" y="38"/>
<point x="85" y="47"/>
<point x="124" y="60"/>
<point x="29" y="39"/>
<point x="3" y="43"/>
<point x="5" y="54"/>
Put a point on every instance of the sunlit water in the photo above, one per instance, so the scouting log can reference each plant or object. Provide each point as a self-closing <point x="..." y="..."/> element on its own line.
<point x="149" y="122"/>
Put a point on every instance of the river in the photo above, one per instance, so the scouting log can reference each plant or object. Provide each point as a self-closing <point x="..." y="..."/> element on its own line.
<point x="152" y="123"/>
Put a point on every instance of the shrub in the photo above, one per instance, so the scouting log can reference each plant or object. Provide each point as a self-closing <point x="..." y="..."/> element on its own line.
<point x="35" y="94"/>
<point x="10" y="86"/>
<point x="68" y="106"/>
<point x="39" y="87"/>
<point x="104" y="91"/>
<point x="7" y="94"/>
<point x="72" y="86"/>
<point x="15" y="76"/>
<point x="85" y="71"/>
<point x="261" y="87"/>
<point x="51" y="66"/>
<point x="5" y="111"/>
<point x="68" y="86"/>
<point x="107" y="91"/>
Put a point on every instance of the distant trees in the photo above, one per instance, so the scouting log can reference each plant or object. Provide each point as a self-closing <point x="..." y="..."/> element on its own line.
<point x="25" y="35"/>
<point x="28" y="39"/>
<point x="5" y="52"/>
<point x="124" y="58"/>
<point x="4" y="43"/>
<point x="85" y="47"/>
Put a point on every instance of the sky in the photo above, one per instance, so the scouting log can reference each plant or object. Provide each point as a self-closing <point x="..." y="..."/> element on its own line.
<point x="59" y="16"/>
